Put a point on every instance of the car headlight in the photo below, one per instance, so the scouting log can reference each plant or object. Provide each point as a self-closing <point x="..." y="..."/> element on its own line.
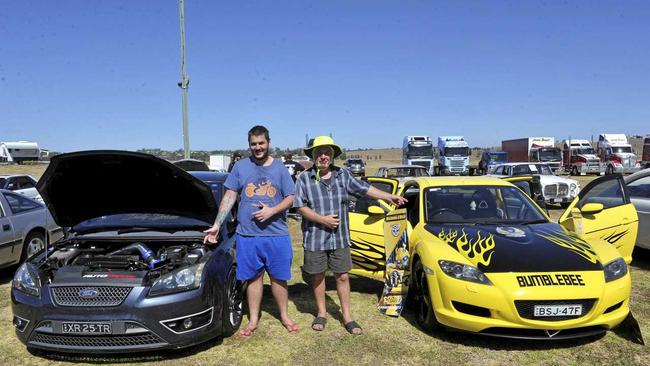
<point x="26" y="280"/>
<point x="178" y="281"/>
<point x="615" y="270"/>
<point x="463" y="272"/>
<point x="574" y="188"/>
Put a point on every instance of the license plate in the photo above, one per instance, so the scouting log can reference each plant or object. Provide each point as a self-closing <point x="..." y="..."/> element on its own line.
<point x="558" y="310"/>
<point x="87" y="328"/>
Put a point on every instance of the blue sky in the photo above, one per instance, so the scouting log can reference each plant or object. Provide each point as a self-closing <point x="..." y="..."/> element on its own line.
<point x="102" y="74"/>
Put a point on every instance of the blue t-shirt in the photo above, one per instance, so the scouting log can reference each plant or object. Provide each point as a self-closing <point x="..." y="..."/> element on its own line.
<point x="267" y="184"/>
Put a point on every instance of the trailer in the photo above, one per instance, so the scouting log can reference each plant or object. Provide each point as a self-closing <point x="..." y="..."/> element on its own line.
<point x="21" y="151"/>
<point x="645" y="156"/>
<point x="533" y="149"/>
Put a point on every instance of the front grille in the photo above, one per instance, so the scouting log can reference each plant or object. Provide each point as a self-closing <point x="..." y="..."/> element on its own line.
<point x="556" y="190"/>
<point x="526" y="308"/>
<point x="100" y="342"/>
<point x="457" y="163"/>
<point x="106" y="296"/>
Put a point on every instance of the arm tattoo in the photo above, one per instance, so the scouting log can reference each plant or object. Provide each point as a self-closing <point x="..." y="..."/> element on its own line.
<point x="224" y="209"/>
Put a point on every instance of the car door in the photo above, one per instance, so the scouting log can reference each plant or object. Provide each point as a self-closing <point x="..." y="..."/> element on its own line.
<point x="616" y="223"/>
<point x="367" y="231"/>
<point x="639" y="190"/>
<point x="7" y="236"/>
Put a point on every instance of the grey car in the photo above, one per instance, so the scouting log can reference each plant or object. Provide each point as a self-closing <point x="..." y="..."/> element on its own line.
<point x="25" y="227"/>
<point x="638" y="185"/>
<point x="21" y="183"/>
<point x="356" y="166"/>
<point x="132" y="272"/>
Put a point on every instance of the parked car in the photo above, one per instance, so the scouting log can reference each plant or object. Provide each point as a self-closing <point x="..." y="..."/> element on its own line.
<point x="192" y="165"/>
<point x="479" y="256"/>
<point x="556" y="189"/>
<point x="26" y="227"/>
<point x="402" y="172"/>
<point x="132" y="273"/>
<point x="356" y="166"/>
<point x="638" y="185"/>
<point x="21" y="183"/>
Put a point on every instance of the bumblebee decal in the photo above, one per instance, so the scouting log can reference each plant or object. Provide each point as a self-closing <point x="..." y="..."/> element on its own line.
<point x="367" y="255"/>
<point x="575" y="244"/>
<point x="614" y="236"/>
<point x="477" y="250"/>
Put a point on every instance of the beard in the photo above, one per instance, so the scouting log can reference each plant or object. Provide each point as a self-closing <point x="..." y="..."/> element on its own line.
<point x="261" y="160"/>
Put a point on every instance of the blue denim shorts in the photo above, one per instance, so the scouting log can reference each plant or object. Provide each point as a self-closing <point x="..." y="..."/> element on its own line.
<point x="256" y="254"/>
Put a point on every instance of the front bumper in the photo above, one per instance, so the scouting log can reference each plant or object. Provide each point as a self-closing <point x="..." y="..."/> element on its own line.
<point x="136" y="324"/>
<point x="497" y="311"/>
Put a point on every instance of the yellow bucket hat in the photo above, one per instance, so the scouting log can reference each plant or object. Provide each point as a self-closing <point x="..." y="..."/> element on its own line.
<point x="323" y="141"/>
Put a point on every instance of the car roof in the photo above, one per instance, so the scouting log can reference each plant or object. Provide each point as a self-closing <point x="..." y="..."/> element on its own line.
<point x="459" y="181"/>
<point x="640" y="174"/>
<point x="401" y="166"/>
<point x="523" y="163"/>
<point x="15" y="175"/>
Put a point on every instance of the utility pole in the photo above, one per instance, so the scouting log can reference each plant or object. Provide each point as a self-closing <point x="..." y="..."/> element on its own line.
<point x="185" y="82"/>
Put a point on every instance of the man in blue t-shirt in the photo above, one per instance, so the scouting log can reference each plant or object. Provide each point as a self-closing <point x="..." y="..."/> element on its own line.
<point x="266" y="191"/>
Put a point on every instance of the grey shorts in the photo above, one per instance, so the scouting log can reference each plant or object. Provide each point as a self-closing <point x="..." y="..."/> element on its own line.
<point x="336" y="260"/>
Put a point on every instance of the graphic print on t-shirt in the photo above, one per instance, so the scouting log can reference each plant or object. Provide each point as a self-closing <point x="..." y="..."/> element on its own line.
<point x="263" y="186"/>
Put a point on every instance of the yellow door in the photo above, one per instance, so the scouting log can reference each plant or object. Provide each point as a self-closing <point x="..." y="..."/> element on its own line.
<point x="616" y="221"/>
<point x="367" y="231"/>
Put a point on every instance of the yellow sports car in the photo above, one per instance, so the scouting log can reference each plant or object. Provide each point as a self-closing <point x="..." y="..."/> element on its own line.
<point x="483" y="257"/>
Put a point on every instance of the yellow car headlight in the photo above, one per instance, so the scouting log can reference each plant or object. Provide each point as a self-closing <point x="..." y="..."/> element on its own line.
<point x="463" y="272"/>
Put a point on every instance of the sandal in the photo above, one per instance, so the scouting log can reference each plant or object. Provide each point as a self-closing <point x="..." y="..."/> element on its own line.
<point x="247" y="332"/>
<point x="292" y="328"/>
<point x="351" y="326"/>
<point x="319" y="323"/>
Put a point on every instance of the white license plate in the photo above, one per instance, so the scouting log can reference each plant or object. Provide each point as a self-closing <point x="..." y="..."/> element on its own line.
<point x="87" y="328"/>
<point x="557" y="310"/>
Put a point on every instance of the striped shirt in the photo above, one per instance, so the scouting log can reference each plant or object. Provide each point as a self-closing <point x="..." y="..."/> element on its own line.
<point x="327" y="197"/>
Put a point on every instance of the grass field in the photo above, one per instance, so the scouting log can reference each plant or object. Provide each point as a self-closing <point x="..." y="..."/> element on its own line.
<point x="385" y="341"/>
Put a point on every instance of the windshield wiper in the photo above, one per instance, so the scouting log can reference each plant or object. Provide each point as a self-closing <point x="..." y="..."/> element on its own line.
<point x="539" y="221"/>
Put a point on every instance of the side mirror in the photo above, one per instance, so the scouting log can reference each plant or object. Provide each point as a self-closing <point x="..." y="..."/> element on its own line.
<point x="592" y="208"/>
<point x="376" y="210"/>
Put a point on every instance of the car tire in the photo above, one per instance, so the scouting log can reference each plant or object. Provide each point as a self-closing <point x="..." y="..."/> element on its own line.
<point x="232" y="305"/>
<point x="34" y="242"/>
<point x="426" y="318"/>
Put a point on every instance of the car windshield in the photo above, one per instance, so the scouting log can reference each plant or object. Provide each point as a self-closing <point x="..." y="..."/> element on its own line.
<point x="140" y="221"/>
<point x="499" y="158"/>
<point x="457" y="151"/>
<point x="550" y="155"/>
<point x="406" y="172"/>
<point x="354" y="161"/>
<point x="480" y="205"/>
<point x="621" y="149"/>
<point x="531" y="169"/>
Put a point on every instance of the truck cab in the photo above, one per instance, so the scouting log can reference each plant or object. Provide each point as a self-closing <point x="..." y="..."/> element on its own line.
<point x="580" y="158"/>
<point x="418" y="150"/>
<point x="491" y="158"/>
<point x="616" y="154"/>
<point x="452" y="156"/>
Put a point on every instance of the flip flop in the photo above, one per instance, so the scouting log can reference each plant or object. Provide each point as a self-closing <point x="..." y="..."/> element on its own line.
<point x="292" y="328"/>
<point x="319" y="323"/>
<point x="247" y="332"/>
<point x="351" y="326"/>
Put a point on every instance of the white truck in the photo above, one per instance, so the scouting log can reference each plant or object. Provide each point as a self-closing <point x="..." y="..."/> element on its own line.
<point x="219" y="163"/>
<point x="616" y="154"/>
<point x="21" y="151"/>
<point x="451" y="156"/>
<point x="580" y="158"/>
<point x="418" y="150"/>
<point x="534" y="150"/>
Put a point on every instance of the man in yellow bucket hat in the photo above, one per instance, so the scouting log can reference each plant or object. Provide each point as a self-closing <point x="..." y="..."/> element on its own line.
<point x="321" y="198"/>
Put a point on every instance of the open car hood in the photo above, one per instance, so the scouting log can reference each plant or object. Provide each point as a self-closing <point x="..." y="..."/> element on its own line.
<point x="83" y="185"/>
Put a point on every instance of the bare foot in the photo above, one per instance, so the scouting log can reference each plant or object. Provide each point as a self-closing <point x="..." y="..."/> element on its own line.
<point x="248" y="331"/>
<point x="291" y="327"/>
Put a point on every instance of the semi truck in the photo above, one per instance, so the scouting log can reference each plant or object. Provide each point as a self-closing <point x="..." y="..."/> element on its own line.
<point x="451" y="156"/>
<point x="616" y="154"/>
<point x="534" y="149"/>
<point x="645" y="157"/>
<point x="580" y="158"/>
<point x="418" y="150"/>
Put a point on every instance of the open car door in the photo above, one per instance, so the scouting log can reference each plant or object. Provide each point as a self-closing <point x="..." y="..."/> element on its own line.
<point x="367" y="218"/>
<point x="603" y="210"/>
